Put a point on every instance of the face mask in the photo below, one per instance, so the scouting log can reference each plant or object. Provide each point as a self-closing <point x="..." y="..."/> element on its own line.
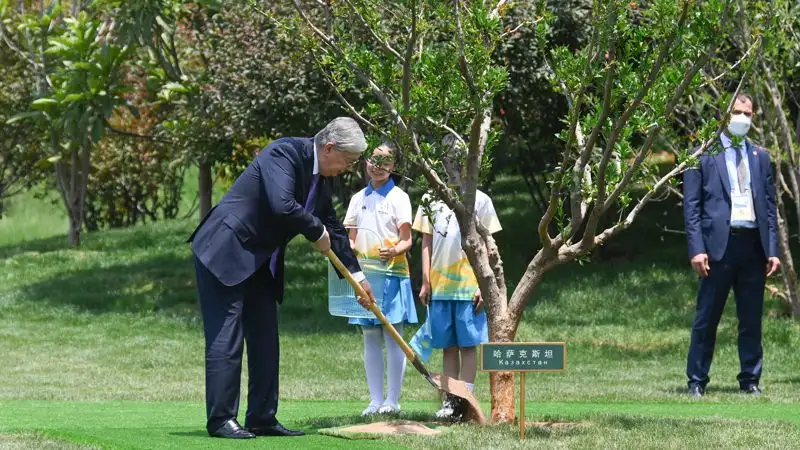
<point x="739" y="125"/>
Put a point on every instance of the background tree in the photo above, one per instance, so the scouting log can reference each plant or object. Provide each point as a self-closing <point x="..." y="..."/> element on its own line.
<point x="529" y="109"/>
<point x="172" y="34"/>
<point x="776" y="85"/>
<point x="77" y="84"/>
<point x="20" y="150"/>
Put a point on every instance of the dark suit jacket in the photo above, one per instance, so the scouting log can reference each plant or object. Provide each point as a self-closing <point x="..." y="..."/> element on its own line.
<point x="707" y="203"/>
<point x="264" y="210"/>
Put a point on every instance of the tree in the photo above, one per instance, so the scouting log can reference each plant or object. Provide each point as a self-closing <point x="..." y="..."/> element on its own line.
<point x="429" y="69"/>
<point x="530" y="110"/>
<point x="264" y="85"/>
<point x="77" y="84"/>
<point x="172" y="33"/>
<point x="777" y="64"/>
<point x="20" y="151"/>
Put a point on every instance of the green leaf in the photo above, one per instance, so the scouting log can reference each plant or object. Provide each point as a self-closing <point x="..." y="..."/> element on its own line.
<point x="74" y="98"/>
<point x="97" y="130"/>
<point x="22" y="116"/>
<point x="43" y="103"/>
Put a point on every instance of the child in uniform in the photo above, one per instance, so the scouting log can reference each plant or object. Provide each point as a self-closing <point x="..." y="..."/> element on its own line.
<point x="449" y="287"/>
<point x="379" y="219"/>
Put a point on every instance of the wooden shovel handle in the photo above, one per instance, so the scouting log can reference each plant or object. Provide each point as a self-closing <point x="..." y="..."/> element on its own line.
<point x="373" y="307"/>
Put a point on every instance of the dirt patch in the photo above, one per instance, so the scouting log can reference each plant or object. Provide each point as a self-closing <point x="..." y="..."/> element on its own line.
<point x="374" y="430"/>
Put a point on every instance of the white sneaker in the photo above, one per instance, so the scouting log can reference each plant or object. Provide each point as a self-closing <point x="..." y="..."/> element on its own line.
<point x="451" y="409"/>
<point x="389" y="409"/>
<point x="371" y="409"/>
<point x="446" y="411"/>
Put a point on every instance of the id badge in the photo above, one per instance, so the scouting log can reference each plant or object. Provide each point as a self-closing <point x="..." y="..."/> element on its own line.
<point x="742" y="206"/>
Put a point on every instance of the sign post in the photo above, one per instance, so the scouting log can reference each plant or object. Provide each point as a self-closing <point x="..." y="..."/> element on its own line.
<point x="523" y="357"/>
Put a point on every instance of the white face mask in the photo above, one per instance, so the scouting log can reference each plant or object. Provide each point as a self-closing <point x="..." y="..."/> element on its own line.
<point x="739" y="125"/>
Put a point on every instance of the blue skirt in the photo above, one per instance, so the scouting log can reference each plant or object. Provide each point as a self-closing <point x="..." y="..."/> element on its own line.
<point x="397" y="305"/>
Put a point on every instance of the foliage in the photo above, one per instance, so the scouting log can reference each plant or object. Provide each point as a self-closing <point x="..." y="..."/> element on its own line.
<point x="530" y="110"/>
<point x="21" y="152"/>
<point x="76" y="61"/>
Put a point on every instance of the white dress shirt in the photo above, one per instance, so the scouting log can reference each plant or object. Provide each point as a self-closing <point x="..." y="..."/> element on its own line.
<point x="358" y="276"/>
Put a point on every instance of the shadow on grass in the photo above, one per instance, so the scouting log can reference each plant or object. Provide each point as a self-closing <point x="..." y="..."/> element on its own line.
<point x="46" y="245"/>
<point x="164" y="283"/>
<point x="154" y="235"/>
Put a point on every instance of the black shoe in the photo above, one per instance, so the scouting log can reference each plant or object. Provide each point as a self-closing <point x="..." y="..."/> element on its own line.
<point x="696" y="391"/>
<point x="232" y="430"/>
<point x="752" y="390"/>
<point x="275" y="430"/>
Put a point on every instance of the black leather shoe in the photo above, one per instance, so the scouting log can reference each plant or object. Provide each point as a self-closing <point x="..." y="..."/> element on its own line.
<point x="275" y="430"/>
<point x="696" y="391"/>
<point x="752" y="390"/>
<point x="232" y="430"/>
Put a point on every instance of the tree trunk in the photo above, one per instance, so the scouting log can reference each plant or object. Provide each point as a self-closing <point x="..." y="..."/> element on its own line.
<point x="787" y="266"/>
<point x="205" y="184"/>
<point x="74" y="227"/>
<point x="501" y="384"/>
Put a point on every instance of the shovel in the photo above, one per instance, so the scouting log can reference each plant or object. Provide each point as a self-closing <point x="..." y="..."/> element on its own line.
<point x="469" y="404"/>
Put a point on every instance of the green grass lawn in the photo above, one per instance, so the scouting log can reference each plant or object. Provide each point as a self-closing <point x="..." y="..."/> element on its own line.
<point x="102" y="346"/>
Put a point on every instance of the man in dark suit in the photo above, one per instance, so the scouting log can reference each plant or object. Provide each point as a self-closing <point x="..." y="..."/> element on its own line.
<point x="731" y="224"/>
<point x="238" y="256"/>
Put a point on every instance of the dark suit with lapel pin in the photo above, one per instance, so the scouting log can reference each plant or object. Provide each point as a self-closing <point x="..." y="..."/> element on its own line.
<point x="238" y="252"/>
<point x="737" y="259"/>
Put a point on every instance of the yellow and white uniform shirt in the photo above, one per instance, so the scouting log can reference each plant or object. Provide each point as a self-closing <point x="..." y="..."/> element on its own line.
<point x="451" y="275"/>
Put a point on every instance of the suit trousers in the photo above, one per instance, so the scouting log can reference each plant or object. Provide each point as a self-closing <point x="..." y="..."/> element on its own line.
<point x="231" y="316"/>
<point x="743" y="267"/>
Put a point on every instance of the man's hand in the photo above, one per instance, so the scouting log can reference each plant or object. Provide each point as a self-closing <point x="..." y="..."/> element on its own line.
<point x="365" y="302"/>
<point x="477" y="301"/>
<point x="323" y="244"/>
<point x="773" y="264"/>
<point x="425" y="293"/>
<point x="387" y="253"/>
<point x="700" y="264"/>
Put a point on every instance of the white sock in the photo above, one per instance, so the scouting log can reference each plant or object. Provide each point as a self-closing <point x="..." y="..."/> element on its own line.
<point x="396" y="367"/>
<point x="470" y="386"/>
<point x="373" y="363"/>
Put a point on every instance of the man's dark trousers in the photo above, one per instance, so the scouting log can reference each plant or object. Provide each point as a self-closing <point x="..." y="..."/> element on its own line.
<point x="743" y="267"/>
<point x="247" y="310"/>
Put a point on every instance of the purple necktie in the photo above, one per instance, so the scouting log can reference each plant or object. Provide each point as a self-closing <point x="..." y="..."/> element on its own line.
<point x="312" y="193"/>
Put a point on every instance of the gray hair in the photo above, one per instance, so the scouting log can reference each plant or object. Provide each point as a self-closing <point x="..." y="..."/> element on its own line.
<point x="344" y="133"/>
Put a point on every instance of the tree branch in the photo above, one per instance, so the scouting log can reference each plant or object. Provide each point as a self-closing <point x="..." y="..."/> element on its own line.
<point x="383" y="42"/>
<point x="606" y="107"/>
<point x="612" y="231"/>
<point x="477" y="145"/>
<point x="462" y="58"/>
<point x="376" y="90"/>
<point x="119" y="132"/>
<point x="445" y="127"/>
<point x="412" y="39"/>
<point x="687" y="80"/>
<point x="620" y="123"/>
